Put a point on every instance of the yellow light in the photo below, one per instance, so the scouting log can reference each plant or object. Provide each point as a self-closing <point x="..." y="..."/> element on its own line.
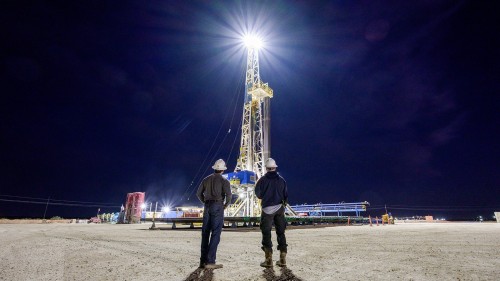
<point x="252" y="42"/>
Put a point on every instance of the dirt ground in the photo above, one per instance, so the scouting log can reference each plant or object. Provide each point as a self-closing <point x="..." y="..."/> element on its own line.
<point x="423" y="251"/>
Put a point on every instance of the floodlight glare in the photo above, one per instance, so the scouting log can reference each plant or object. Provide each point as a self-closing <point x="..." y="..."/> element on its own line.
<point x="252" y="42"/>
<point x="166" y="209"/>
<point x="143" y="206"/>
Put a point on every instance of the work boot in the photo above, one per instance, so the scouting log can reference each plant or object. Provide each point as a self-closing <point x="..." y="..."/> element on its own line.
<point x="213" y="266"/>
<point x="282" y="261"/>
<point x="269" y="258"/>
<point x="202" y="264"/>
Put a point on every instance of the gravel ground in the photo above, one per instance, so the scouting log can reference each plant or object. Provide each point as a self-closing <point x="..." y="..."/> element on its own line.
<point x="417" y="251"/>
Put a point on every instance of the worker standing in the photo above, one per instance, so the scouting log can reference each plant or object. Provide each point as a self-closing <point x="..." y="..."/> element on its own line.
<point x="272" y="190"/>
<point x="215" y="193"/>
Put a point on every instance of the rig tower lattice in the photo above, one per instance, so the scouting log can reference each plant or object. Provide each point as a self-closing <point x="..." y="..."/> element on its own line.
<point x="255" y="146"/>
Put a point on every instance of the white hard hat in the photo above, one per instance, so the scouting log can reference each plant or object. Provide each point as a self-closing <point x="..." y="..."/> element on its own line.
<point x="219" y="165"/>
<point x="270" y="163"/>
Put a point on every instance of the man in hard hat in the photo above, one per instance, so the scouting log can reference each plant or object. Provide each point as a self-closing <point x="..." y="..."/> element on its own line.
<point x="215" y="193"/>
<point x="272" y="190"/>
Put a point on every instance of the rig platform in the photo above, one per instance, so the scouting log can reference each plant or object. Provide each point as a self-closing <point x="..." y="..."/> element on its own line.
<point x="254" y="221"/>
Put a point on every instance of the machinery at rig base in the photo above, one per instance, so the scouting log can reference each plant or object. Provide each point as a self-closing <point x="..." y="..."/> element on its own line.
<point x="339" y="209"/>
<point x="246" y="203"/>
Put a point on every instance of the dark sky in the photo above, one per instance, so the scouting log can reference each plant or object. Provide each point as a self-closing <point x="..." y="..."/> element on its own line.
<point x="392" y="102"/>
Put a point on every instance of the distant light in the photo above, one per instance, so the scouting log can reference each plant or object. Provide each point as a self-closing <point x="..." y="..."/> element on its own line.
<point x="143" y="206"/>
<point x="166" y="209"/>
<point x="252" y="42"/>
<point x="242" y="195"/>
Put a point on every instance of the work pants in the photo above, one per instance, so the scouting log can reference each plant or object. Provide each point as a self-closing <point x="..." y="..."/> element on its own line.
<point x="266" y="225"/>
<point x="213" y="219"/>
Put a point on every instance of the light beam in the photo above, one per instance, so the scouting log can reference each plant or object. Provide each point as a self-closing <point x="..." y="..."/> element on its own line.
<point x="252" y="42"/>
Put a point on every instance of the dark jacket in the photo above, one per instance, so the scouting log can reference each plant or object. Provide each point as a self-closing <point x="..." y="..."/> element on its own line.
<point x="271" y="188"/>
<point x="214" y="187"/>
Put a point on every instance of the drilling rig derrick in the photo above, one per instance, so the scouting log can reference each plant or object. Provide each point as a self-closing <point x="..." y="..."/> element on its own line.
<point x="255" y="145"/>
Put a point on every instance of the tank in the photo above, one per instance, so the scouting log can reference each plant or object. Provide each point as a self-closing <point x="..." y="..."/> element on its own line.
<point x="133" y="207"/>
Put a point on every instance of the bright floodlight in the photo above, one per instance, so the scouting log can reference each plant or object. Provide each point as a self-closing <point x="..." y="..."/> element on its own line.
<point x="143" y="206"/>
<point x="166" y="209"/>
<point x="242" y="195"/>
<point x="252" y="42"/>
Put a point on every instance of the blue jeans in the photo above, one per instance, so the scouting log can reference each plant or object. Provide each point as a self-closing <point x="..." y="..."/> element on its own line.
<point x="213" y="219"/>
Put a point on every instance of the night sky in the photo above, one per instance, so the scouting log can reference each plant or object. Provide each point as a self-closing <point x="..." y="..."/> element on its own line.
<point x="391" y="102"/>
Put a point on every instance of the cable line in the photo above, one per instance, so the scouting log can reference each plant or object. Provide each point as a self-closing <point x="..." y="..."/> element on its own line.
<point x="238" y="129"/>
<point x="428" y="206"/>
<point x="190" y="189"/>
<point x="58" y="200"/>
<point x="432" y="208"/>
<point x="58" y="204"/>
<point x="234" y="142"/>
<point x="437" y="209"/>
<point x="225" y="136"/>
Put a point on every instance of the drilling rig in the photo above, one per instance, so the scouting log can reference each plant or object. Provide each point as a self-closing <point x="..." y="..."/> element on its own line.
<point x="255" y="145"/>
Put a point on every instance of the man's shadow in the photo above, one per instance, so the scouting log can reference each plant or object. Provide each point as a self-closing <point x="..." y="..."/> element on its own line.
<point x="201" y="274"/>
<point x="286" y="275"/>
